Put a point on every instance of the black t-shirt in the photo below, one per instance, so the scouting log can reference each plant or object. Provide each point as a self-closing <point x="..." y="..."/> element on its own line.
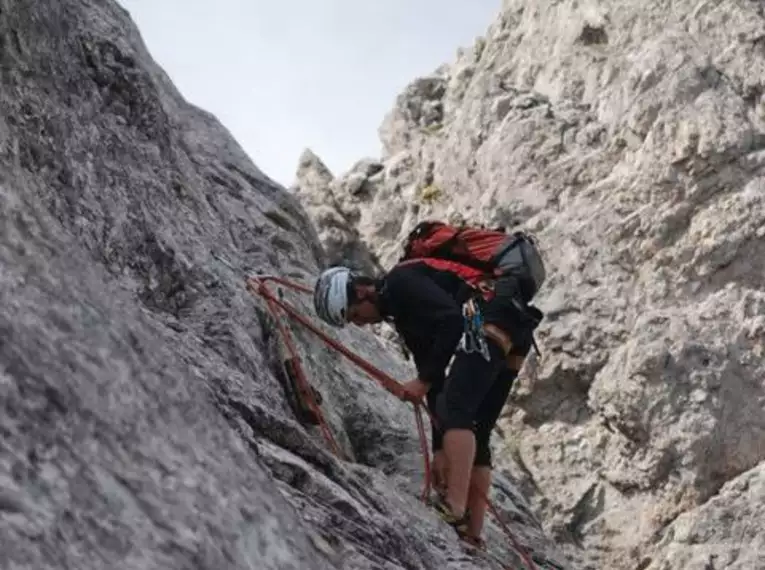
<point x="425" y="305"/>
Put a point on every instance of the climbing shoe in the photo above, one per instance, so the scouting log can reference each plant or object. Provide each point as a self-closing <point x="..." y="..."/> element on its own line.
<point x="473" y="543"/>
<point x="435" y="497"/>
<point x="459" y="524"/>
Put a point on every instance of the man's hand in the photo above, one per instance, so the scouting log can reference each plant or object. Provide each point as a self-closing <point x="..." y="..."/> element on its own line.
<point x="415" y="390"/>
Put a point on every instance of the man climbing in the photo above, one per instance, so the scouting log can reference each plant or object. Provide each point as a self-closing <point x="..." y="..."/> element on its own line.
<point x="428" y="301"/>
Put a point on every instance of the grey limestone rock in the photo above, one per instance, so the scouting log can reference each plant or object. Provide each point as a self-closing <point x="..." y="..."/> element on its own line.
<point x="144" y="419"/>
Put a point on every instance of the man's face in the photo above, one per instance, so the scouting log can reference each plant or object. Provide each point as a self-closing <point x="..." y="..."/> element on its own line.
<point x="363" y="311"/>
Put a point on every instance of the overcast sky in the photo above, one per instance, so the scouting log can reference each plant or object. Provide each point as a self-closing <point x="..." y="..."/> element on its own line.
<point x="283" y="75"/>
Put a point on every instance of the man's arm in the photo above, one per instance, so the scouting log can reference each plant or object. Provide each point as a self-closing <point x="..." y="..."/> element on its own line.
<point x="434" y="312"/>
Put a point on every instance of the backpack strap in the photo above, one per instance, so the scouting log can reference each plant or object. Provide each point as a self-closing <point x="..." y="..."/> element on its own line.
<point x="534" y="344"/>
<point x="534" y="315"/>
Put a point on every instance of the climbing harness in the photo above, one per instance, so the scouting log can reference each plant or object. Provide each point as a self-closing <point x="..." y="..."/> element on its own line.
<point x="258" y="285"/>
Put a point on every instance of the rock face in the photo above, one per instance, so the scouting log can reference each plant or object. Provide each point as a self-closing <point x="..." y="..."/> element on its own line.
<point x="144" y="418"/>
<point x="316" y="191"/>
<point x="630" y="138"/>
<point x="702" y="537"/>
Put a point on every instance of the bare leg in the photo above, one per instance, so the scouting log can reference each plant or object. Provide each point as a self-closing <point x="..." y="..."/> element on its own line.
<point x="480" y="483"/>
<point x="440" y="472"/>
<point x="459" y="447"/>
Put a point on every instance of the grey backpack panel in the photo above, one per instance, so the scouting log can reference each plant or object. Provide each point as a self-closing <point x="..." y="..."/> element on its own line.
<point x="521" y="257"/>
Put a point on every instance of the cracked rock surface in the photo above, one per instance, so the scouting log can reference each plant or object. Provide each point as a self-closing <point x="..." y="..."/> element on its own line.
<point x="144" y="416"/>
<point x="630" y="138"/>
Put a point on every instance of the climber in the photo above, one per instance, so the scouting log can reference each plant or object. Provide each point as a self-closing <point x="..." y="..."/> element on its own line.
<point x="425" y="301"/>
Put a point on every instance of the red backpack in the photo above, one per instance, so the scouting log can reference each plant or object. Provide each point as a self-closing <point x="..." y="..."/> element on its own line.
<point x="489" y="252"/>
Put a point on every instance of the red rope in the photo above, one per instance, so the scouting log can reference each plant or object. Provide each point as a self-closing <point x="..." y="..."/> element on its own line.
<point x="424" y="448"/>
<point x="387" y="382"/>
<point x="258" y="285"/>
<point x="303" y="385"/>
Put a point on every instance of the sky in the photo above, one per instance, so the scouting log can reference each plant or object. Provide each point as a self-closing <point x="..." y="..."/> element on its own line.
<point x="285" y="75"/>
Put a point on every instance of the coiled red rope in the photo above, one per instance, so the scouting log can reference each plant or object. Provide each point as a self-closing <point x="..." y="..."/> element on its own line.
<point x="258" y="286"/>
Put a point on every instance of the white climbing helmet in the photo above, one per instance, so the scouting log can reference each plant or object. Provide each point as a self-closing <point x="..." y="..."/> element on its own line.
<point x="330" y="295"/>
